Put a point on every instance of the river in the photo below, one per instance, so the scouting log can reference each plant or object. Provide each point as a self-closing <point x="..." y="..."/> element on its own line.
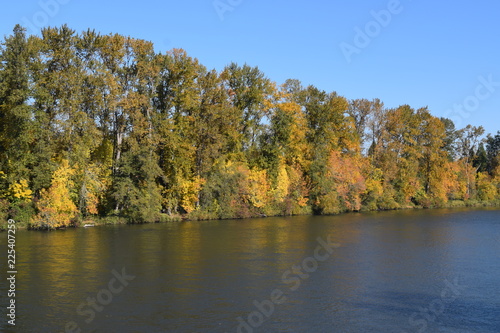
<point x="398" y="271"/>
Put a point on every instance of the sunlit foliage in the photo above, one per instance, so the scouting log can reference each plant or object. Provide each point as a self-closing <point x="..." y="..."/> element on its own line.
<point x="99" y="125"/>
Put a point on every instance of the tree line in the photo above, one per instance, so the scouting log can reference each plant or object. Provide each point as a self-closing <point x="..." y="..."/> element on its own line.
<point x="102" y="125"/>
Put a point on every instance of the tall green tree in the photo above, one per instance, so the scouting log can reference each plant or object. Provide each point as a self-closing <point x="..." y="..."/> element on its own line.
<point x="135" y="188"/>
<point x="177" y="102"/>
<point x="493" y="151"/>
<point x="468" y="140"/>
<point x="15" y="112"/>
<point x="362" y="111"/>
<point x="248" y="90"/>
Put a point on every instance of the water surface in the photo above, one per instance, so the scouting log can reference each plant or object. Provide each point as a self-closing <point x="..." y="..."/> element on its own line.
<point x="404" y="271"/>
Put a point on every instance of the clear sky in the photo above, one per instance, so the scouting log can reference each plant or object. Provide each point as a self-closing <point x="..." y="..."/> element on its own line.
<point x="441" y="54"/>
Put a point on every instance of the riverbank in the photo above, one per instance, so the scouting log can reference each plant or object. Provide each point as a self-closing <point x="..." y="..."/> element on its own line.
<point x="95" y="221"/>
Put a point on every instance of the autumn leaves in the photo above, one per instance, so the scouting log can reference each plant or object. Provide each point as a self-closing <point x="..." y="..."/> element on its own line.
<point x="97" y="125"/>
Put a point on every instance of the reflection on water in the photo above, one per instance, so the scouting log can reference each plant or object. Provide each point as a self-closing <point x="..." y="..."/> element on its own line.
<point x="203" y="276"/>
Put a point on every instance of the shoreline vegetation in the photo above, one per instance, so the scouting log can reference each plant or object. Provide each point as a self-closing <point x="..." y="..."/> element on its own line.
<point x="103" y="129"/>
<point x="96" y="221"/>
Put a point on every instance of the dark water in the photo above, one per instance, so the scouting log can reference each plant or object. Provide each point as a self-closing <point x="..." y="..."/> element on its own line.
<point x="407" y="271"/>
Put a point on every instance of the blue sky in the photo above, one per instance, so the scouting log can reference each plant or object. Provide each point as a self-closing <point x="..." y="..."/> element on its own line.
<point x="440" y="54"/>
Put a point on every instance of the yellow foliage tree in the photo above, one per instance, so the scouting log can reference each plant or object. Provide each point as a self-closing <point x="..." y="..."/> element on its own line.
<point x="443" y="182"/>
<point x="189" y="190"/>
<point x="457" y="186"/>
<point x="374" y="187"/>
<point x="93" y="182"/>
<point x="298" y="190"/>
<point x="486" y="189"/>
<point x="350" y="184"/>
<point x="56" y="209"/>
<point x="465" y="179"/>
<point x="3" y="190"/>
<point x="20" y="190"/>
<point x="282" y="183"/>
<point x="258" y="188"/>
